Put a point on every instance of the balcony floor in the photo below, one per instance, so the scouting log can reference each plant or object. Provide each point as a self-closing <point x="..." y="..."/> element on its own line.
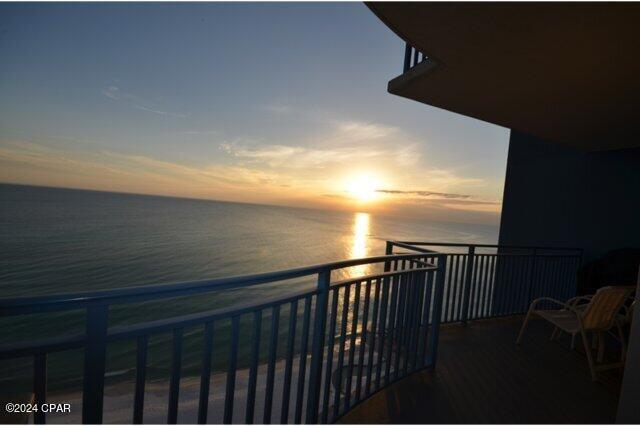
<point x="481" y="376"/>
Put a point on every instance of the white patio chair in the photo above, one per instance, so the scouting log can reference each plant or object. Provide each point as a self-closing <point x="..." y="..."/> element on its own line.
<point x="599" y="314"/>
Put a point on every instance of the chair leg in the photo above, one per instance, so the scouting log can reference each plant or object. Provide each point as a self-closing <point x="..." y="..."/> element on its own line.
<point x="555" y="333"/>
<point x="524" y="325"/>
<point x="587" y="350"/>
<point x="600" y="346"/>
<point x="623" y="344"/>
<point x="573" y="341"/>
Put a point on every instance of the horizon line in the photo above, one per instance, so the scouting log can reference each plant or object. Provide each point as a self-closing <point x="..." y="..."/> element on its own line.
<point x="241" y="202"/>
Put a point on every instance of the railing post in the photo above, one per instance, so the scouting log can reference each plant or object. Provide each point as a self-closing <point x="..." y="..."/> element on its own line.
<point x="317" y="348"/>
<point x="388" y="251"/>
<point x="531" y="275"/>
<point x="437" y="309"/>
<point x="467" y="283"/>
<point x="94" y="364"/>
<point x="407" y="57"/>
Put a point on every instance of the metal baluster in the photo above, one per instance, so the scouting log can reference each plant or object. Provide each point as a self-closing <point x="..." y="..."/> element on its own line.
<point x="372" y="343"/>
<point x="94" y="364"/>
<point x="343" y="332"/>
<point x="39" y="386"/>
<point x="437" y="309"/>
<point x="463" y="268"/>
<point x="141" y="373"/>
<point x="512" y="282"/>
<point x="451" y="311"/>
<point x="447" y="299"/>
<point x="304" y="343"/>
<point x="408" y="334"/>
<point x="291" y="339"/>
<point x="518" y="285"/>
<point x="382" y="332"/>
<point x="419" y="297"/>
<point x="502" y="284"/>
<point x="352" y="343"/>
<point x="205" y="376"/>
<point x="317" y="347"/>
<point x="364" y="339"/>
<point x="253" y="371"/>
<point x="468" y="279"/>
<point x="491" y="284"/>
<point x="407" y="58"/>
<point x="506" y="283"/>
<point x="230" y="391"/>
<point x="417" y="323"/>
<point x="174" y="382"/>
<point x="330" y="350"/>
<point x="428" y="315"/>
<point x="271" y="368"/>
<point x="421" y="326"/>
<point x="474" y="286"/>
<point x="401" y="325"/>
<point x="485" y="286"/>
<point x="391" y="330"/>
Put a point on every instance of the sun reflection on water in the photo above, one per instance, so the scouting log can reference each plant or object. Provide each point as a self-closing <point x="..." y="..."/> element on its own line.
<point x="359" y="247"/>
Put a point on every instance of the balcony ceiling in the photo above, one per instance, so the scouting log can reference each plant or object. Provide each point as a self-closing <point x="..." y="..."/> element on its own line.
<point x="566" y="72"/>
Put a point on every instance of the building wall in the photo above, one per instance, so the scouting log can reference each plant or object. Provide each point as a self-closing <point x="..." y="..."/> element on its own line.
<point x="558" y="196"/>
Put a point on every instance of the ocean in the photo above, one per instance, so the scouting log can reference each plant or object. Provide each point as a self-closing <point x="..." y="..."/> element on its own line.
<point x="61" y="240"/>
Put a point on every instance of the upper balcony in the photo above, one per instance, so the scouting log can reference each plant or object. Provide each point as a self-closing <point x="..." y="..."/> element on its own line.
<point x="559" y="71"/>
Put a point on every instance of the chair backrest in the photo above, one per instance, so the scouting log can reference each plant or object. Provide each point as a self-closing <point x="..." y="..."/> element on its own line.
<point x="605" y="304"/>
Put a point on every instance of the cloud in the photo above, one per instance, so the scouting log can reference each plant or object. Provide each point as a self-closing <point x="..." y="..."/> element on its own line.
<point x="278" y="108"/>
<point x="295" y="157"/>
<point x="199" y="132"/>
<point x="345" y="143"/>
<point x="366" y="131"/>
<point x="426" y="194"/>
<point x="114" y="92"/>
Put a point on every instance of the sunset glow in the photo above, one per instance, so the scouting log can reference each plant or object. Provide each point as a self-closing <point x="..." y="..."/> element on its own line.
<point x="363" y="188"/>
<point x="179" y="113"/>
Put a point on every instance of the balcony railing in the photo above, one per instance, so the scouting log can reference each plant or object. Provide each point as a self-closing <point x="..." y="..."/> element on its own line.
<point x="358" y="335"/>
<point x="486" y="281"/>
<point x="412" y="57"/>
<point x="339" y="340"/>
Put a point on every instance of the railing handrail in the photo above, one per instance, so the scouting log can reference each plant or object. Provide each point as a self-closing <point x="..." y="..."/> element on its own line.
<point x="121" y="332"/>
<point x="363" y="278"/>
<point x="481" y="245"/>
<point x="25" y="305"/>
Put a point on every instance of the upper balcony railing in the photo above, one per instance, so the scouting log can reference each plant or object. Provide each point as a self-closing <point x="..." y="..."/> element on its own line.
<point x="336" y="340"/>
<point x="412" y="57"/>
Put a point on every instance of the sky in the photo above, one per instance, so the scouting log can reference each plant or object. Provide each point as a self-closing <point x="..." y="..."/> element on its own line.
<point x="280" y="104"/>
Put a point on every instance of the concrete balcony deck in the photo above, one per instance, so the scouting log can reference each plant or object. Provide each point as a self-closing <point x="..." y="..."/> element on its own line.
<point x="482" y="377"/>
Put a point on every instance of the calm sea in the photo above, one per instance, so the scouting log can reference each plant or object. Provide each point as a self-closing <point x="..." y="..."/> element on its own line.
<point x="59" y="240"/>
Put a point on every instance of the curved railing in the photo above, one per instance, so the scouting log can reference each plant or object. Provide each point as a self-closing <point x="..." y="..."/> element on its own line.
<point x="353" y="337"/>
<point x="489" y="280"/>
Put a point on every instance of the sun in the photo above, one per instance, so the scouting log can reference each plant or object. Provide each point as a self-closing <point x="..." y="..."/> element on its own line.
<point x="363" y="187"/>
